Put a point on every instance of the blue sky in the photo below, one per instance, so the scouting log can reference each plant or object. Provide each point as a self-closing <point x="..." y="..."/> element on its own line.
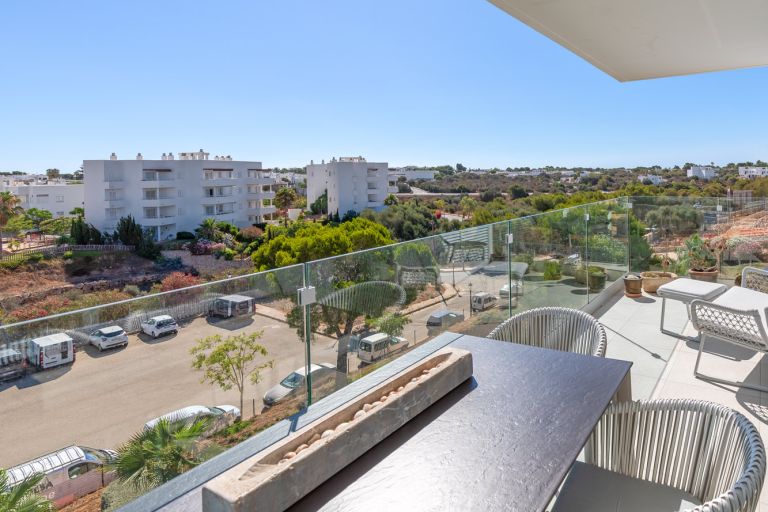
<point x="286" y="81"/>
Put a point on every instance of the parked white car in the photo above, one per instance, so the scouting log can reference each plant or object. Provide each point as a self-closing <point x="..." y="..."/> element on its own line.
<point x="221" y="416"/>
<point x="159" y="326"/>
<point x="108" y="337"/>
<point x="297" y="381"/>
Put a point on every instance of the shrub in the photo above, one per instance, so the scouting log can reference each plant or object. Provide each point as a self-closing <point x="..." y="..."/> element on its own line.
<point x="552" y="270"/>
<point x="203" y="246"/>
<point x="523" y="258"/>
<point x="185" y="235"/>
<point x="176" y="280"/>
<point x="228" y="254"/>
<point x="35" y="257"/>
<point x="164" y="263"/>
<point x="250" y="233"/>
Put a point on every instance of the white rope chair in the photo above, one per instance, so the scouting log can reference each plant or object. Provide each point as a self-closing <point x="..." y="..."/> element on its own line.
<point x="565" y="329"/>
<point x="703" y="449"/>
<point x="734" y="317"/>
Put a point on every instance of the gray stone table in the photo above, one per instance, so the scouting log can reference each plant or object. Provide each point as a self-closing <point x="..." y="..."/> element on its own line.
<point x="503" y="440"/>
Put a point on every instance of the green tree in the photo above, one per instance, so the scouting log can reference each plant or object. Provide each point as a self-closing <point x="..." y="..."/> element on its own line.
<point x="391" y="200"/>
<point x="392" y="324"/>
<point x="10" y="206"/>
<point x="320" y="205"/>
<point x="284" y="199"/>
<point x="37" y="216"/>
<point x="59" y="226"/>
<point x="128" y="231"/>
<point x="156" y="455"/>
<point x="17" y="224"/>
<point x="467" y="205"/>
<point x="82" y="233"/>
<point x="53" y="173"/>
<point x="22" y="496"/>
<point x="232" y="361"/>
<point x="207" y="229"/>
<point x="77" y="211"/>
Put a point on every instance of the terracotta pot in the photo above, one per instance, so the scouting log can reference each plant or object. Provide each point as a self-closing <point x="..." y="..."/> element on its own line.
<point x="704" y="275"/>
<point x="633" y="286"/>
<point x="652" y="280"/>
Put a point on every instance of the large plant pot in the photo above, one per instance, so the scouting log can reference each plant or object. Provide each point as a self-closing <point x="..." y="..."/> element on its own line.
<point x="704" y="275"/>
<point x="596" y="281"/>
<point x="652" y="280"/>
<point x="569" y="269"/>
<point x="633" y="286"/>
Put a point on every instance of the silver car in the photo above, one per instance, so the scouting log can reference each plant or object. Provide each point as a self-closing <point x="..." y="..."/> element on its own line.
<point x="297" y="381"/>
<point x="108" y="337"/>
<point x="221" y="416"/>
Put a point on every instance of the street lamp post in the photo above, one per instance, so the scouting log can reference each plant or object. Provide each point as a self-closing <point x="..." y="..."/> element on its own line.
<point x="470" y="298"/>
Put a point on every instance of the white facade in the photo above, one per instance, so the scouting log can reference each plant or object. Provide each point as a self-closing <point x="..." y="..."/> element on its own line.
<point x="56" y="196"/>
<point x="753" y="172"/>
<point x="655" y="179"/>
<point x="704" y="172"/>
<point x="353" y="184"/>
<point x="170" y="195"/>
<point x="412" y="174"/>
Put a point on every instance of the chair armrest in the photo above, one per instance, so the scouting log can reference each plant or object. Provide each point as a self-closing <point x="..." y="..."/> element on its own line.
<point x="734" y="325"/>
<point x="755" y="279"/>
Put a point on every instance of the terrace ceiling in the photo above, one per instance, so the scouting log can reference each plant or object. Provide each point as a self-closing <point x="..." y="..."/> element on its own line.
<point x="639" y="39"/>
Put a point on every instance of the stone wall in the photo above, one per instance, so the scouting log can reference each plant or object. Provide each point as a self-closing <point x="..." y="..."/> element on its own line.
<point x="207" y="263"/>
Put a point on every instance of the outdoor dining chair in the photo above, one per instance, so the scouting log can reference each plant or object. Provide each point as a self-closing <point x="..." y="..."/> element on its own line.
<point x="565" y="329"/>
<point x="674" y="454"/>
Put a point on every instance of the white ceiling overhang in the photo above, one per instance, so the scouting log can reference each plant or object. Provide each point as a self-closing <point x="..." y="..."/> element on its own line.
<point x="639" y="39"/>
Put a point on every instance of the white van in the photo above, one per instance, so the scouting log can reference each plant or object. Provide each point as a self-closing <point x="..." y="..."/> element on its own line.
<point x="70" y="473"/>
<point x="379" y="345"/>
<point x="482" y="301"/>
<point x="52" y="350"/>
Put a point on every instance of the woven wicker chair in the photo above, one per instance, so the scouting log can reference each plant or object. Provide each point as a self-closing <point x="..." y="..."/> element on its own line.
<point x="704" y="451"/>
<point x="737" y="317"/>
<point x="568" y="330"/>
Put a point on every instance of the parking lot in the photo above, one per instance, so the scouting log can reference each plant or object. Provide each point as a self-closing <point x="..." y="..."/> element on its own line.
<point x="104" y="397"/>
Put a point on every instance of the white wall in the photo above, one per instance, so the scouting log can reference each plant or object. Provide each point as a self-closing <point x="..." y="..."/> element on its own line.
<point x="352" y="185"/>
<point x="180" y="199"/>
<point x="59" y="199"/>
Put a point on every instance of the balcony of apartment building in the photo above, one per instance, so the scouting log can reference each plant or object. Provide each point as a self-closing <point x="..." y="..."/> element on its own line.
<point x="219" y="176"/>
<point x="159" y="175"/>
<point x="255" y="177"/>
<point x="462" y="287"/>
<point x="158" y="197"/>
<point x="156" y="216"/>
<point x="262" y="191"/>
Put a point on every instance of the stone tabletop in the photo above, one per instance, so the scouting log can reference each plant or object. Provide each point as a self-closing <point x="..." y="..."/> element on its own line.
<point x="503" y="440"/>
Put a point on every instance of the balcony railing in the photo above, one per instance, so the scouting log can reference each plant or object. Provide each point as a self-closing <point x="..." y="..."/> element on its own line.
<point x="565" y="258"/>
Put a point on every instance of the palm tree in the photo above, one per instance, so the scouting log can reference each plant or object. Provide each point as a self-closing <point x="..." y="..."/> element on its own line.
<point x="22" y="496"/>
<point x="156" y="455"/>
<point x="207" y="229"/>
<point x="10" y="206"/>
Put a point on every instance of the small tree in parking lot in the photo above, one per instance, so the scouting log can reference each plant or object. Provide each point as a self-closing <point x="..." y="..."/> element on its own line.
<point x="230" y="362"/>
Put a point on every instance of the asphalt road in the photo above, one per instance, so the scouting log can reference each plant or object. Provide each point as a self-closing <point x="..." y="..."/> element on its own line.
<point x="104" y="397"/>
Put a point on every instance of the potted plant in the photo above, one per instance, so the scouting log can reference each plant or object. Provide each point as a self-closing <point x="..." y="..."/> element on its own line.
<point x="552" y="270"/>
<point x="596" y="278"/>
<point x="652" y="280"/>
<point x="701" y="259"/>
<point x="633" y="285"/>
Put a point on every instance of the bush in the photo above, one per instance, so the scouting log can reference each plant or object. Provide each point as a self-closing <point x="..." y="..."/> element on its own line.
<point x="164" y="263"/>
<point x="132" y="290"/>
<point x="35" y="257"/>
<point x="228" y="254"/>
<point x="176" y="280"/>
<point x="552" y="270"/>
<point x="185" y="235"/>
<point x="118" y="494"/>
<point x="523" y="258"/>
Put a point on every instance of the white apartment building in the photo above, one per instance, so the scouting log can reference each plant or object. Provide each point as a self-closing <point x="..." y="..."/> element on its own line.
<point x="753" y="172"/>
<point x="353" y="184"/>
<point x="655" y="179"/>
<point x="171" y="195"/>
<point x="39" y="192"/>
<point x="703" y="172"/>
<point x="412" y="174"/>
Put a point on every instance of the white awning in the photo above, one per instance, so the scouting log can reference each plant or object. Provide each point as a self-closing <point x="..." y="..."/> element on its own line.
<point x="639" y="39"/>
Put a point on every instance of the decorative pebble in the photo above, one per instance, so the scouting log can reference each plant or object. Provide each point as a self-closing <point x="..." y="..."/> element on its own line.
<point x="415" y="379"/>
<point x="400" y="389"/>
<point x="376" y="404"/>
<point x="302" y="448"/>
<point x="367" y="407"/>
<point x="425" y="372"/>
<point x="315" y="438"/>
<point x="359" y="414"/>
<point x="342" y="426"/>
<point x="283" y="461"/>
<point x="327" y="433"/>
<point x="383" y="398"/>
<point x="290" y="455"/>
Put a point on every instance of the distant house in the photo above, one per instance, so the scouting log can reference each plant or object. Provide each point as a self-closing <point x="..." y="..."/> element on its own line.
<point x="703" y="172"/>
<point x="753" y="172"/>
<point x="352" y="184"/>
<point x="655" y="179"/>
<point x="54" y="195"/>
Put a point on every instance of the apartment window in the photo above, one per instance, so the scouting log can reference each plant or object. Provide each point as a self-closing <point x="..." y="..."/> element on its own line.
<point x="208" y="192"/>
<point x="181" y="193"/>
<point x="180" y="211"/>
<point x="59" y="199"/>
<point x="210" y="210"/>
<point x="42" y="198"/>
<point x="150" y="213"/>
<point x="208" y="175"/>
<point x="59" y="214"/>
<point x="266" y="188"/>
<point x="150" y="194"/>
